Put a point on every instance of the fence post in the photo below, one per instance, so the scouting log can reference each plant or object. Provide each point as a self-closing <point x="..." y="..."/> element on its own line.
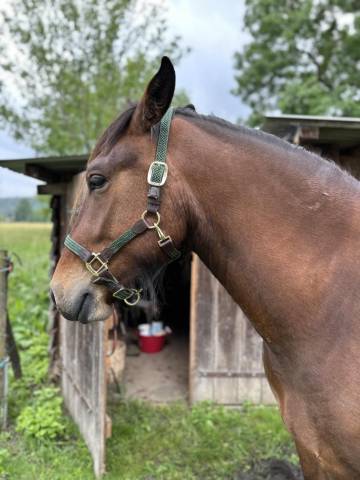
<point x="4" y="265"/>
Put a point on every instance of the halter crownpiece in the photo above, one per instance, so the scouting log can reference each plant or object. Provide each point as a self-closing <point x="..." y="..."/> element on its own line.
<point x="98" y="262"/>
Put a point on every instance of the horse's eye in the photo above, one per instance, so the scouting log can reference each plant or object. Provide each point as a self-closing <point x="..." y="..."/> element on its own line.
<point x="96" y="181"/>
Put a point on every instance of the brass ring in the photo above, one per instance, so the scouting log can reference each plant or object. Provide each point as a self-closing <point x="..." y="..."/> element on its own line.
<point x="154" y="225"/>
<point x="137" y="298"/>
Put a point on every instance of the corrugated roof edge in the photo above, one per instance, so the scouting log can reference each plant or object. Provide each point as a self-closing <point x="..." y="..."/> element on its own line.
<point x="312" y="118"/>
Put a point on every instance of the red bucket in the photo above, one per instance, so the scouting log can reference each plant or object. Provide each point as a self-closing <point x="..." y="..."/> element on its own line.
<point x="151" y="344"/>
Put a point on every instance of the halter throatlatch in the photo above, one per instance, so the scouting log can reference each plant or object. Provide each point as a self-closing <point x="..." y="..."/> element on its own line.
<point x="98" y="262"/>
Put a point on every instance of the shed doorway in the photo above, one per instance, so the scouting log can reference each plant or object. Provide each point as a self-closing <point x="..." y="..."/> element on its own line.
<point x="164" y="376"/>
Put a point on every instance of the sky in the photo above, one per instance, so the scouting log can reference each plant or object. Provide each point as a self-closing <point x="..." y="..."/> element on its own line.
<point x="214" y="32"/>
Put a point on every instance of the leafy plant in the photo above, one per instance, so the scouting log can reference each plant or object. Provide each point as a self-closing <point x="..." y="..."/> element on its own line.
<point x="4" y="456"/>
<point x="43" y="417"/>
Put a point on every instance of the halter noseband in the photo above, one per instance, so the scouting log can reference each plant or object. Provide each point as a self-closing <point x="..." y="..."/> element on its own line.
<point x="97" y="263"/>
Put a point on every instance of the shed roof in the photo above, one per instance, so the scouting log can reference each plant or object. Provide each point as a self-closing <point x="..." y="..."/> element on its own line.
<point x="49" y="169"/>
<point x="341" y="131"/>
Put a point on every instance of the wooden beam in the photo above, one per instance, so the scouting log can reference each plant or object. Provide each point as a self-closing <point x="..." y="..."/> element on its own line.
<point x="309" y="133"/>
<point x="305" y="133"/>
<point x="52" y="189"/>
<point x="41" y="173"/>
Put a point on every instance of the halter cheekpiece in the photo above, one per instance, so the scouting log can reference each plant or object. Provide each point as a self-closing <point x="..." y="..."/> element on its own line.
<point x="98" y="262"/>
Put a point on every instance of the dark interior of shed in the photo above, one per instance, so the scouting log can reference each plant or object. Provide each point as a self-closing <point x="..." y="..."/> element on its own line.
<point x="163" y="376"/>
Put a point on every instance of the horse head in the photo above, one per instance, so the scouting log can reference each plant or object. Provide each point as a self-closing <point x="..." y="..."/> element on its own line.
<point x="119" y="230"/>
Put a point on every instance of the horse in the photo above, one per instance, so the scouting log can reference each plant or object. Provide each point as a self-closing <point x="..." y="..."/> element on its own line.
<point x="277" y="225"/>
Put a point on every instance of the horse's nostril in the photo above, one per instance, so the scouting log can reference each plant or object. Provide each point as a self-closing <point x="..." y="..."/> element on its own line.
<point x="84" y="308"/>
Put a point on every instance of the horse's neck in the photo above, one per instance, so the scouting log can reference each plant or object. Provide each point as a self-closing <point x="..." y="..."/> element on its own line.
<point x="271" y="223"/>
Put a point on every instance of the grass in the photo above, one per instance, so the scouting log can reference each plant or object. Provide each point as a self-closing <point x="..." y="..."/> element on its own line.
<point x="206" y="442"/>
<point x="149" y="442"/>
<point x="23" y="458"/>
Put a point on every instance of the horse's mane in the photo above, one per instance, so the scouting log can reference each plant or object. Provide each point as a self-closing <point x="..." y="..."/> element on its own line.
<point x="211" y="123"/>
<point x="217" y="126"/>
<point x="222" y="129"/>
<point x="112" y="134"/>
<point x="297" y="154"/>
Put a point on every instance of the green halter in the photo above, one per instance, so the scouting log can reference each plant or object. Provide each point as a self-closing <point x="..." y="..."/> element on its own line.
<point x="97" y="263"/>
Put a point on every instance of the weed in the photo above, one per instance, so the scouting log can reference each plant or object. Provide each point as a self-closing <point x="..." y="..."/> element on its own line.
<point x="42" y="418"/>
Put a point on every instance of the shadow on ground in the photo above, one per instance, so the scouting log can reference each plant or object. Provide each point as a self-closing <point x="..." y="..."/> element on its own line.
<point x="271" y="470"/>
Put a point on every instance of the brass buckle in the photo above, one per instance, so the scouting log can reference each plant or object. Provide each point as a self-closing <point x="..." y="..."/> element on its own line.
<point x="132" y="293"/>
<point x="92" y="268"/>
<point x="137" y="294"/>
<point x="164" y="174"/>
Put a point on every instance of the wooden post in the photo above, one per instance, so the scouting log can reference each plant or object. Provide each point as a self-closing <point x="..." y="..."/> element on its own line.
<point x="4" y="264"/>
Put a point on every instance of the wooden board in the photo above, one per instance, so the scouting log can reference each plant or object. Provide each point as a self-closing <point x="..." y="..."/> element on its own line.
<point x="225" y="351"/>
<point x="84" y="385"/>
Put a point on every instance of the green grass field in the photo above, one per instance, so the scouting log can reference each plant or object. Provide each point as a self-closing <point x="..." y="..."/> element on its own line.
<point x="149" y="442"/>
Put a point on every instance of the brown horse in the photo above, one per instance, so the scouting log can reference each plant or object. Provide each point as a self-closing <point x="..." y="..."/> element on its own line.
<point x="277" y="225"/>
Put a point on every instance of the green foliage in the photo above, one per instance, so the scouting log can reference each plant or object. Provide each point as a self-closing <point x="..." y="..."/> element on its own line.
<point x="28" y="305"/>
<point x="301" y="58"/>
<point x="75" y="66"/>
<point x="4" y="456"/>
<point x="32" y="209"/>
<point x="23" y="210"/>
<point x="29" y="459"/>
<point x="34" y="405"/>
<point x="43" y="417"/>
<point x="42" y="211"/>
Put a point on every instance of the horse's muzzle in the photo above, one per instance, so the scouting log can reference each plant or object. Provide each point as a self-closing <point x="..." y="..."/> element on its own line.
<point x="81" y="304"/>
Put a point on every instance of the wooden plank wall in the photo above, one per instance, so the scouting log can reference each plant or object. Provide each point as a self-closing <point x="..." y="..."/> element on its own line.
<point x="82" y="354"/>
<point x="83" y="383"/>
<point x="225" y="351"/>
<point x="54" y="316"/>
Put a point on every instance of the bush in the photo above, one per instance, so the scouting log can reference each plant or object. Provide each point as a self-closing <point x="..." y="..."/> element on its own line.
<point x="43" y="418"/>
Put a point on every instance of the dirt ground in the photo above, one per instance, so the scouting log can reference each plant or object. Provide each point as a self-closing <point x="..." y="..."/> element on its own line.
<point x="160" y="377"/>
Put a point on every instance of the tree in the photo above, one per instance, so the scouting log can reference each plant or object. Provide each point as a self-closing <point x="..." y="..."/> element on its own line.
<point x="41" y="209"/>
<point x="68" y="67"/>
<point x="23" y="212"/>
<point x="303" y="58"/>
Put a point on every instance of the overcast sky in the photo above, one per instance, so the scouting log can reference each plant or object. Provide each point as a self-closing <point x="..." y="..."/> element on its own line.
<point x="214" y="32"/>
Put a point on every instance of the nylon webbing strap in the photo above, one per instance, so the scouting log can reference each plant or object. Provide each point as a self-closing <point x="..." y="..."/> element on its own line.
<point x="157" y="177"/>
<point x="76" y="248"/>
<point x="97" y="263"/>
<point x="120" y="242"/>
<point x="138" y="228"/>
<point x="163" y="140"/>
<point x="108" y="252"/>
<point x="158" y="170"/>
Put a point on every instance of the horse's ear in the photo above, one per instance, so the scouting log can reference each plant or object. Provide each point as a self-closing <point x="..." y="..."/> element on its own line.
<point x="157" y="97"/>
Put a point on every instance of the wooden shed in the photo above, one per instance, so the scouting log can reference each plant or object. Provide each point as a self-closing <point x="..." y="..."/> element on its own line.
<point x="336" y="138"/>
<point x="214" y="353"/>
